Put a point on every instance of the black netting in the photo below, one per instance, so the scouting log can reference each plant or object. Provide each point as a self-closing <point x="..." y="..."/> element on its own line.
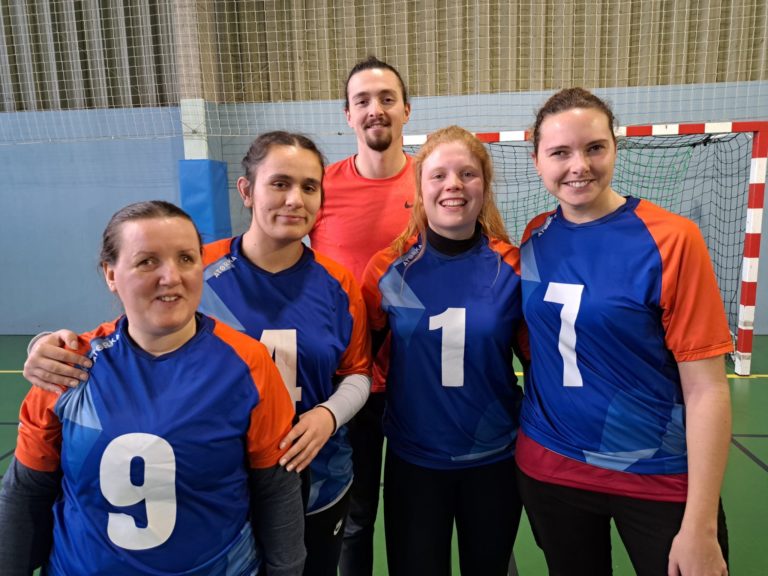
<point x="702" y="177"/>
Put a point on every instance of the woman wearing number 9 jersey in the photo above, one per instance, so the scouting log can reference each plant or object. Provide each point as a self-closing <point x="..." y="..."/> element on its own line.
<point x="309" y="313"/>
<point x="449" y="292"/>
<point x="165" y="461"/>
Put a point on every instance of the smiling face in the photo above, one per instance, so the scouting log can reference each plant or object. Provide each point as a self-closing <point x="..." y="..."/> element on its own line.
<point x="452" y="186"/>
<point x="158" y="276"/>
<point x="575" y="159"/>
<point x="284" y="193"/>
<point x="377" y="111"/>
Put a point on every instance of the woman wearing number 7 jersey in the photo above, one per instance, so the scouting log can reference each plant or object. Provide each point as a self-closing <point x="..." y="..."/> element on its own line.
<point x="165" y="461"/>
<point x="307" y="310"/>
<point x="449" y="292"/>
<point x="627" y="410"/>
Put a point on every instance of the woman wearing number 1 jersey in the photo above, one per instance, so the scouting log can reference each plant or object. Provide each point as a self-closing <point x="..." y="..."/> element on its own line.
<point x="309" y="313"/>
<point x="448" y="290"/>
<point x="627" y="412"/>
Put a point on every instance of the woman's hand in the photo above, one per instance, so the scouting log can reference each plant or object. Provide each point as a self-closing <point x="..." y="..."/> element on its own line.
<point x="51" y="362"/>
<point x="307" y="437"/>
<point x="695" y="553"/>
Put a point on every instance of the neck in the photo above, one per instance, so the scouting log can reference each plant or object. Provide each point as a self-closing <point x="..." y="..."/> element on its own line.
<point x="449" y="246"/>
<point x="612" y="201"/>
<point x="165" y="344"/>
<point x="379" y="165"/>
<point x="269" y="254"/>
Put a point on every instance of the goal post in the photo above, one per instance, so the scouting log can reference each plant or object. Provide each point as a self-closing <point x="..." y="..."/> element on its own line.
<point x="712" y="173"/>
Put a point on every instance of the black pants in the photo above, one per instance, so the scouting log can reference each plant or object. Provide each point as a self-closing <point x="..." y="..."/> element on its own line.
<point x="573" y="528"/>
<point x="421" y="505"/>
<point x="367" y="440"/>
<point x="323" y="534"/>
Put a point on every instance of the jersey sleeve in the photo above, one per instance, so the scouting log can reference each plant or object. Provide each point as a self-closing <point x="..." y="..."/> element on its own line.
<point x="378" y="265"/>
<point x="693" y="314"/>
<point x="215" y="250"/>
<point x="511" y="256"/>
<point x="38" y="445"/>
<point x="533" y="224"/>
<point x="272" y="417"/>
<point x="357" y="357"/>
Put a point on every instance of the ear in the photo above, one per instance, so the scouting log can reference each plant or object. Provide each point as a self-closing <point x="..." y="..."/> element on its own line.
<point x="348" y="116"/>
<point x="407" y="113"/>
<point x="109" y="276"/>
<point x="244" y="189"/>
<point x="535" y="158"/>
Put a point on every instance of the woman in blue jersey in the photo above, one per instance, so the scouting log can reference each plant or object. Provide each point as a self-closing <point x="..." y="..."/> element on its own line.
<point x="165" y="460"/>
<point x="306" y="309"/>
<point x="448" y="290"/>
<point x="627" y="410"/>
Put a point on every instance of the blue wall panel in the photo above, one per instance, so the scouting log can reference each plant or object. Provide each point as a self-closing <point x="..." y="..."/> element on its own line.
<point x="55" y="200"/>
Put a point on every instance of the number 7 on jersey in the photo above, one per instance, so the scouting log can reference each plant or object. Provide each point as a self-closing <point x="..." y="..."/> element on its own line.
<point x="569" y="295"/>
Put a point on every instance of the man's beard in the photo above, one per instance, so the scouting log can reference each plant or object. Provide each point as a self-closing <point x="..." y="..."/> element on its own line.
<point x="379" y="144"/>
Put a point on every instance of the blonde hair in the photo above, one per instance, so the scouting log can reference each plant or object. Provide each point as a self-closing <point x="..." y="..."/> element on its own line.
<point x="490" y="220"/>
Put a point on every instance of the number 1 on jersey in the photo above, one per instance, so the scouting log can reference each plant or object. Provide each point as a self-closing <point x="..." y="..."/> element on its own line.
<point x="453" y="324"/>
<point x="569" y="295"/>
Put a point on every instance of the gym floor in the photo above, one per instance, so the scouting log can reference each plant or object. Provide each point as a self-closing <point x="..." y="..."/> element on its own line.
<point x="744" y="492"/>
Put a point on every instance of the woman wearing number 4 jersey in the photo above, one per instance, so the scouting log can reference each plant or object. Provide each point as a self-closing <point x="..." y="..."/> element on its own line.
<point x="165" y="461"/>
<point x="310" y="314"/>
<point x="305" y="308"/>
<point x="449" y="292"/>
<point x="627" y="411"/>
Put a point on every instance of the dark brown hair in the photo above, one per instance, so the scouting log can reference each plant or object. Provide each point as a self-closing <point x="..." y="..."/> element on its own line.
<point x="110" y="239"/>
<point x="261" y="146"/>
<point x="568" y="99"/>
<point x="373" y="63"/>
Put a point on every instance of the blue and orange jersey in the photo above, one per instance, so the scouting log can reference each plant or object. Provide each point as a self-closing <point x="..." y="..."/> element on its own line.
<point x="312" y="319"/>
<point x="452" y="396"/>
<point x="612" y="306"/>
<point x="155" y="453"/>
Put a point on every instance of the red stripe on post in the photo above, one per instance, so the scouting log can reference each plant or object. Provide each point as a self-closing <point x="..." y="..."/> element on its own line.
<point x="744" y="341"/>
<point x="639" y="130"/>
<point x="749" y="126"/>
<point x="756" y="196"/>
<point x="760" y="144"/>
<point x="748" y="293"/>
<point x="487" y="137"/>
<point x="751" y="245"/>
<point x="691" y="129"/>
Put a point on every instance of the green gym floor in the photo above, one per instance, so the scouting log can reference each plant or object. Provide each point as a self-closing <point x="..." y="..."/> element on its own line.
<point x="745" y="493"/>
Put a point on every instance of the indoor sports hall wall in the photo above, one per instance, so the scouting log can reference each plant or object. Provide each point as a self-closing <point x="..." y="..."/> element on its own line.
<point x="99" y="101"/>
<point x="55" y="198"/>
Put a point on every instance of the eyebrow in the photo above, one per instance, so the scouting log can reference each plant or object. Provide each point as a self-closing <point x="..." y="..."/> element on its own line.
<point x="568" y="147"/>
<point x="366" y="93"/>
<point x="291" y="178"/>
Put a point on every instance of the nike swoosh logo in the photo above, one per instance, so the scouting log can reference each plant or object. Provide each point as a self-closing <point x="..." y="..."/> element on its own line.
<point x="408" y="205"/>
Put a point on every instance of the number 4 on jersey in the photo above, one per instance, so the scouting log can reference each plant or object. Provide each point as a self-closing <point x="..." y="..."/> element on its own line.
<point x="281" y="344"/>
